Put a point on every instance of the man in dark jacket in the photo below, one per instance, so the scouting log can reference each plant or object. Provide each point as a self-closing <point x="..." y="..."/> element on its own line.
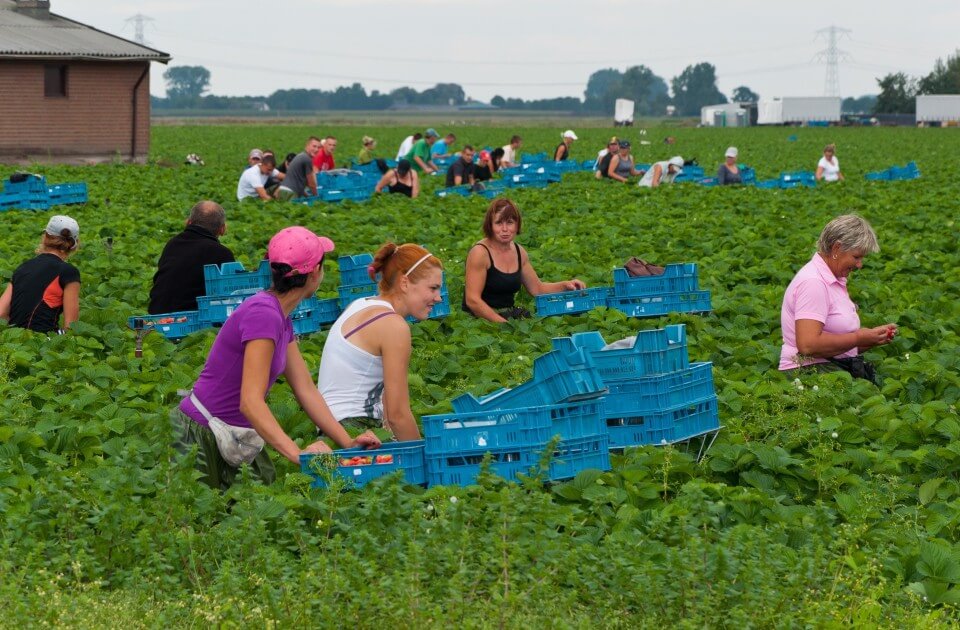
<point x="179" y="277"/>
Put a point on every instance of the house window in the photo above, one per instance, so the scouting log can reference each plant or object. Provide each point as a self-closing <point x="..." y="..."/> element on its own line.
<point x="55" y="81"/>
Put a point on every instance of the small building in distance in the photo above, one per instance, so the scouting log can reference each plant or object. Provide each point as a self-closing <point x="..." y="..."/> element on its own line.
<point x="70" y="92"/>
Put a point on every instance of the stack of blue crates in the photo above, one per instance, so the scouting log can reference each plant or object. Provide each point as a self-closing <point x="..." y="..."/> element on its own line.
<point x="797" y="179"/>
<point x="894" y="173"/>
<point x="33" y="193"/>
<point x="355" y="283"/>
<point x="515" y="426"/>
<point x="227" y="286"/>
<point x="656" y="396"/>
<point x="677" y="290"/>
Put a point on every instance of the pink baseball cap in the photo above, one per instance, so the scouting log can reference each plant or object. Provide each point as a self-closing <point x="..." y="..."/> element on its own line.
<point x="298" y="247"/>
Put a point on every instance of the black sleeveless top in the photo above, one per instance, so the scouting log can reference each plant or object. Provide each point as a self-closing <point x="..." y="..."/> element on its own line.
<point x="400" y="187"/>
<point x="566" y="151"/>
<point x="500" y="288"/>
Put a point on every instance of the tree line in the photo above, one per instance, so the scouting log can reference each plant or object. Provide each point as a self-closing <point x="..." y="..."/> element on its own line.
<point x="693" y="88"/>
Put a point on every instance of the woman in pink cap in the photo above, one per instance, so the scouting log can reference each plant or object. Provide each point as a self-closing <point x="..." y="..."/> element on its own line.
<point x="46" y="286"/>
<point x="363" y="370"/>
<point x="226" y="414"/>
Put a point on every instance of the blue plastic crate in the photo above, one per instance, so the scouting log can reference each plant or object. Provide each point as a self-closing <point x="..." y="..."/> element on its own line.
<point x="768" y="184"/>
<point x="493" y="188"/>
<point x="62" y="194"/>
<point x="232" y="276"/>
<point x="667" y="426"/>
<point x="878" y="176"/>
<point x="455" y="191"/>
<point x="173" y="326"/>
<point x="331" y="195"/>
<point x="527" y="427"/>
<point x="805" y="177"/>
<point x="313" y="313"/>
<point x="569" y="302"/>
<point x="533" y="158"/>
<point x="342" y="180"/>
<point x="215" y="309"/>
<point x="818" y="123"/>
<point x="568" y="459"/>
<point x="407" y="457"/>
<point x="662" y="304"/>
<point x="709" y="182"/>
<point x="353" y="269"/>
<point x="748" y="175"/>
<point x="904" y="172"/>
<point x="653" y="352"/>
<point x="350" y="292"/>
<point x="588" y="165"/>
<point x="13" y="200"/>
<point x="632" y="397"/>
<point x="557" y="377"/>
<point x="33" y="183"/>
<point x="675" y="278"/>
<point x="567" y="166"/>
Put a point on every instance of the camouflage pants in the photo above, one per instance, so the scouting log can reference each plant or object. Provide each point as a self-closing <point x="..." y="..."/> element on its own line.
<point x="217" y="473"/>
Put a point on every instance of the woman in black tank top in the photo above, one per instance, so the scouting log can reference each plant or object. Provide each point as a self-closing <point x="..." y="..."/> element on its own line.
<point x="489" y="290"/>
<point x="393" y="181"/>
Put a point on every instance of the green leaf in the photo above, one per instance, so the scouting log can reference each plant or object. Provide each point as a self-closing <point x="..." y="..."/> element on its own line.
<point x="929" y="490"/>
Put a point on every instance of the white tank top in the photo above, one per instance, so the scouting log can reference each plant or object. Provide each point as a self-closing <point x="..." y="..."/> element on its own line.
<point x="350" y="378"/>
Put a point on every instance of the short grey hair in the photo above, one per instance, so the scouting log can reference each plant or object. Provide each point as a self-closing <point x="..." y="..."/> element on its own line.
<point x="209" y="215"/>
<point x="851" y="232"/>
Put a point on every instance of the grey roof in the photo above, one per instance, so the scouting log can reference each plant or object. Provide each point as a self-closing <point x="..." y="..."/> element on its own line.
<point x="57" y="37"/>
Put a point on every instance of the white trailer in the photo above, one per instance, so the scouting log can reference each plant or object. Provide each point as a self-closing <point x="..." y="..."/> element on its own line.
<point x="623" y="109"/>
<point x="938" y="107"/>
<point x="798" y="109"/>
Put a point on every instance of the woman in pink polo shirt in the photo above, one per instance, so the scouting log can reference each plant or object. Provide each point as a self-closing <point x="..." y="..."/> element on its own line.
<point x="821" y="327"/>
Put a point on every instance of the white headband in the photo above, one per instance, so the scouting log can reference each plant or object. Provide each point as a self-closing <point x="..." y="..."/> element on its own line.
<point x="417" y="264"/>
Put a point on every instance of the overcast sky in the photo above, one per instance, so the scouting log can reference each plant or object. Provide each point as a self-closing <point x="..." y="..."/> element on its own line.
<point x="529" y="48"/>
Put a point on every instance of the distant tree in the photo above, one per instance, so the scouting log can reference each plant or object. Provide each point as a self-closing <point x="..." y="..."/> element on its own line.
<point x="862" y="105"/>
<point x="600" y="83"/>
<point x="945" y="78"/>
<point x="648" y="90"/>
<point x="186" y="82"/>
<point x="743" y="94"/>
<point x="897" y="95"/>
<point x="404" y="94"/>
<point x="695" y="87"/>
<point x="443" y="94"/>
<point x="498" y="101"/>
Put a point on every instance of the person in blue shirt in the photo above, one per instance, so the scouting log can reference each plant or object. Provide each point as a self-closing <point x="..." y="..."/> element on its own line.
<point x="441" y="148"/>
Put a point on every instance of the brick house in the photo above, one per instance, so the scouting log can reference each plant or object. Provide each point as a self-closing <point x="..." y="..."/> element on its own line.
<point x="69" y="92"/>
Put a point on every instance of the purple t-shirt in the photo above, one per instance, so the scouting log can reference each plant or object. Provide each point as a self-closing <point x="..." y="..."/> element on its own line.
<point x="218" y="387"/>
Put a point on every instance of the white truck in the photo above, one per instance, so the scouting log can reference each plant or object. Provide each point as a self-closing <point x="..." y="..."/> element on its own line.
<point x="623" y="109"/>
<point x="798" y="109"/>
<point x="938" y="108"/>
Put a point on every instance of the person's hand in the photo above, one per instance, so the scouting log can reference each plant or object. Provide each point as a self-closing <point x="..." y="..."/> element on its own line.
<point x="574" y="285"/>
<point x="366" y="440"/>
<point x="318" y="447"/>
<point x="870" y="337"/>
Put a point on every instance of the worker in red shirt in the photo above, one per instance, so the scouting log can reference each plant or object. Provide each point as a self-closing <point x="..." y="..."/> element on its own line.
<point x="323" y="160"/>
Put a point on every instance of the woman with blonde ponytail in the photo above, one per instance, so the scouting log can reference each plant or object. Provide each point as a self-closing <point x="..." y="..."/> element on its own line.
<point x="363" y="368"/>
<point x="46" y="286"/>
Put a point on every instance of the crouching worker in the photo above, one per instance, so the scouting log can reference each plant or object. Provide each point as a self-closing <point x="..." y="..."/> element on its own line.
<point x="226" y="414"/>
<point x="363" y="371"/>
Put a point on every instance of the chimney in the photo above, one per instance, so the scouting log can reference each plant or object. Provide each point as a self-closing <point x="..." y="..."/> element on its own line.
<point x="39" y="9"/>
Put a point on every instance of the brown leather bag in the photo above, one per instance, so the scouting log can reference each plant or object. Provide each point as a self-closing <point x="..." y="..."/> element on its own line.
<point x="638" y="267"/>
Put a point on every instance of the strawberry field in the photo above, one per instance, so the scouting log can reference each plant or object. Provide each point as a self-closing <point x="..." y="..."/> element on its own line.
<point x="824" y="502"/>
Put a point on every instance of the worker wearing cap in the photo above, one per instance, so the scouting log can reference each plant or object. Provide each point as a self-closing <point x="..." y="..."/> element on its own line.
<point x="419" y="154"/>
<point x="562" y="152"/>
<point x="225" y="418"/>
<point x="662" y="172"/>
<point x="46" y="286"/>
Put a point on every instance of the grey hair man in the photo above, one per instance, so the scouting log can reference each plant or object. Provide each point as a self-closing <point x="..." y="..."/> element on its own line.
<point x="179" y="277"/>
